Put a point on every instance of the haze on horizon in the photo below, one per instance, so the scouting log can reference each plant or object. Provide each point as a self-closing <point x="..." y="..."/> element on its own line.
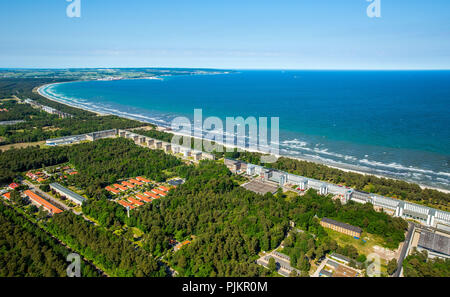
<point x="251" y="34"/>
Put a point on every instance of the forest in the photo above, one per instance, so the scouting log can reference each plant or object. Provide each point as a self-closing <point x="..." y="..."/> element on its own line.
<point x="231" y="225"/>
<point x="113" y="254"/>
<point x="417" y="264"/>
<point x="27" y="251"/>
<point x="99" y="163"/>
<point x="40" y="125"/>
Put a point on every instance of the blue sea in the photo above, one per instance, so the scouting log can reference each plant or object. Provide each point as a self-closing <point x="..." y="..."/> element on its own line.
<point x="390" y="123"/>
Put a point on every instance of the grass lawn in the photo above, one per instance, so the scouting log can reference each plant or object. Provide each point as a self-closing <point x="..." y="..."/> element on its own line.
<point x="365" y="248"/>
<point x="290" y="195"/>
<point x="21" y="145"/>
<point x="137" y="232"/>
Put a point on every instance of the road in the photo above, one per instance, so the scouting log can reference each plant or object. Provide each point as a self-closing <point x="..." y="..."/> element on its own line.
<point x="36" y="189"/>
<point x="404" y="250"/>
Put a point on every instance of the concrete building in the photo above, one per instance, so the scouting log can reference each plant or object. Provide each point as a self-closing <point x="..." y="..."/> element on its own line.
<point x="176" y="149"/>
<point x="208" y="156"/>
<point x="64" y="192"/>
<point x="197" y="156"/>
<point x="186" y="152"/>
<point x="341" y="227"/>
<point x="167" y="148"/>
<point x="101" y="134"/>
<point x="436" y="245"/>
<point x="426" y="215"/>
<point x="65" y="140"/>
<point x="233" y="165"/>
<point x="323" y="190"/>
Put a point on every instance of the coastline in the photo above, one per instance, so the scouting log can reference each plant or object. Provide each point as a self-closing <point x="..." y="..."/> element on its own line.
<point x="43" y="94"/>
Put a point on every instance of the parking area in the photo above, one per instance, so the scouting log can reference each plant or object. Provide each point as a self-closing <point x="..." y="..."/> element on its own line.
<point x="261" y="187"/>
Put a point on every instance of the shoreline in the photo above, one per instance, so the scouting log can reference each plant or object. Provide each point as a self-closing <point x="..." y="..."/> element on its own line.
<point x="39" y="91"/>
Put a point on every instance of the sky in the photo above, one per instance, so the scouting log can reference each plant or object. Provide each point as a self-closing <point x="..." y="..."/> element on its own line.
<point x="227" y="34"/>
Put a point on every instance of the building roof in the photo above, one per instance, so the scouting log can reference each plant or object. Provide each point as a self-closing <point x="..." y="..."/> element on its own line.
<point x="135" y="182"/>
<point x="125" y="183"/>
<point x="7" y="195"/>
<point x="164" y="188"/>
<point x="435" y="242"/>
<point x="153" y="195"/>
<point x="140" y="178"/>
<point x="124" y="203"/>
<point x="157" y="191"/>
<point x="38" y="199"/>
<point x="68" y="193"/>
<point x="13" y="186"/>
<point x="342" y="225"/>
<point x="135" y="201"/>
<point x="120" y="187"/>
<point x="143" y="197"/>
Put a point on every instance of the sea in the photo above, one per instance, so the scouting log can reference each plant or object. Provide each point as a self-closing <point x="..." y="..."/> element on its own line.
<point x="389" y="123"/>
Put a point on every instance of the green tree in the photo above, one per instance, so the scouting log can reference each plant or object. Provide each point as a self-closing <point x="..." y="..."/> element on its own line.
<point x="392" y="266"/>
<point x="272" y="265"/>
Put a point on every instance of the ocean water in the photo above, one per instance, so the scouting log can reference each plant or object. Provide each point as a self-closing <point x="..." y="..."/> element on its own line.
<point x="390" y="123"/>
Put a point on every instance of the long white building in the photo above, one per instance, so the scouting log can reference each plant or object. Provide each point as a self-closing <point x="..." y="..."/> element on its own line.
<point x="426" y="215"/>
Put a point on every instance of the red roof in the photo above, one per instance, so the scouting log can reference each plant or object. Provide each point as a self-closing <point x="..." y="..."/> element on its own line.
<point x="7" y="195"/>
<point x="135" y="201"/>
<point x="159" y="192"/>
<point x="44" y="203"/>
<point x="128" y="184"/>
<point x="142" y="179"/>
<point x="143" y="198"/>
<point x="120" y="187"/>
<point x="153" y="195"/>
<point x="13" y="186"/>
<point x="164" y="188"/>
<point x="124" y="203"/>
<point x="112" y="190"/>
<point x="136" y="182"/>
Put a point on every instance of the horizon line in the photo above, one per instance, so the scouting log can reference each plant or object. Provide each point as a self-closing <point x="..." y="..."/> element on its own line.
<point x="236" y="69"/>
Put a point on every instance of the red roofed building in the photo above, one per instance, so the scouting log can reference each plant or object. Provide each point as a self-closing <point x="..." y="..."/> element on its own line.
<point x="112" y="190"/>
<point x="124" y="203"/>
<point x="164" y="188"/>
<point x="135" y="182"/>
<point x="159" y="192"/>
<point x="7" y="195"/>
<point x="131" y="186"/>
<point x="180" y="245"/>
<point x="39" y="201"/>
<point x="153" y="195"/>
<point x="144" y="180"/>
<point x="13" y="186"/>
<point x="143" y="198"/>
<point x="120" y="187"/>
<point x="135" y="201"/>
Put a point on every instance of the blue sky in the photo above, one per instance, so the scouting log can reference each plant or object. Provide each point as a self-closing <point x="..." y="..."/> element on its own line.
<point x="233" y="34"/>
